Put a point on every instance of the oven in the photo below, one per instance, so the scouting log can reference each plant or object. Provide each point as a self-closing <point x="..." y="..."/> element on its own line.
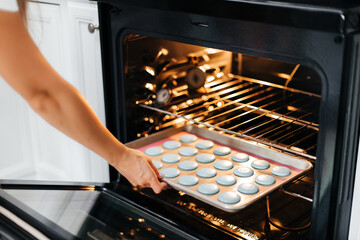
<point x="280" y="78"/>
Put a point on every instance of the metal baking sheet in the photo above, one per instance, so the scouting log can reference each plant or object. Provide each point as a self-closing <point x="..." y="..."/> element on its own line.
<point x="297" y="166"/>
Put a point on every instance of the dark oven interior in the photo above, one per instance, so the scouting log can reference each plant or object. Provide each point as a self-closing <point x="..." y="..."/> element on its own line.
<point x="270" y="103"/>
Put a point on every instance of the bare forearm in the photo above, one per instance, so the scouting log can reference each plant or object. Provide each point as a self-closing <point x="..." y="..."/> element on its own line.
<point x="67" y="110"/>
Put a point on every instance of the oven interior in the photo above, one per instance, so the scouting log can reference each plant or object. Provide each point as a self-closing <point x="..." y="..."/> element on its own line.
<point x="271" y="103"/>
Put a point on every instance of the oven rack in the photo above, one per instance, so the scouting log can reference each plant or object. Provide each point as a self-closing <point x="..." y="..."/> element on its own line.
<point x="268" y="114"/>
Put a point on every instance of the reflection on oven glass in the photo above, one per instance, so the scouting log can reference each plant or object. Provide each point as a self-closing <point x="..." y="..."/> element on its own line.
<point x="90" y="214"/>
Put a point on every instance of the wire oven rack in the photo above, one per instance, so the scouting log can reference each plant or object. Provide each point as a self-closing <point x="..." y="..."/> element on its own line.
<point x="273" y="115"/>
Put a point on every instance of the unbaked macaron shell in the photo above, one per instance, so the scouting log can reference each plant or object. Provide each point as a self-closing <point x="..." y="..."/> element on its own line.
<point x="171" y="158"/>
<point x="248" y="188"/>
<point x="188" y="180"/>
<point x="229" y="197"/>
<point x="281" y="171"/>
<point x="240" y="157"/>
<point x="222" y="151"/>
<point x="188" y="151"/>
<point x="204" y="144"/>
<point x="154" y="151"/>
<point x="188" y="165"/>
<point x="208" y="189"/>
<point x="226" y="180"/>
<point x="205" y="158"/>
<point x="223" y="165"/>
<point x="170" y="172"/>
<point x="157" y="164"/>
<point x="171" y="144"/>
<point x="260" y="164"/>
<point x="265" y="179"/>
<point x="206" y="172"/>
<point x="188" y="138"/>
<point x="243" y="172"/>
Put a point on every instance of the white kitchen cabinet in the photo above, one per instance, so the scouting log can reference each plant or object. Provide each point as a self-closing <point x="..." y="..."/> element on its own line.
<point x="86" y="71"/>
<point x="30" y="147"/>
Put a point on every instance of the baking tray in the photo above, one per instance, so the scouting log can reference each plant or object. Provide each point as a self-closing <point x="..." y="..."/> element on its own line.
<point x="297" y="166"/>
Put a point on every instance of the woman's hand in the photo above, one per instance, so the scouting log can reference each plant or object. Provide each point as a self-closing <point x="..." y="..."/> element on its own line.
<point x="139" y="170"/>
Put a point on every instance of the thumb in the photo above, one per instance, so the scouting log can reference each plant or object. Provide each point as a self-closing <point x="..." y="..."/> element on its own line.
<point x="157" y="186"/>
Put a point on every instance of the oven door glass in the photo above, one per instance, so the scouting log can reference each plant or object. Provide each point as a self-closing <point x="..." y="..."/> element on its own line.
<point x="90" y="214"/>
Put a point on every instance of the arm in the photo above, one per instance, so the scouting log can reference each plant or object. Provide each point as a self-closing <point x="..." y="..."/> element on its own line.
<point x="26" y="70"/>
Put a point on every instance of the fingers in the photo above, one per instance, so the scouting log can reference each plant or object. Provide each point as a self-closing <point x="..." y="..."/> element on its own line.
<point x="157" y="186"/>
<point x="155" y="169"/>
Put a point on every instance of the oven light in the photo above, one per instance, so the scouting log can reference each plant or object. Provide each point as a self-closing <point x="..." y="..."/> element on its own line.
<point x="141" y="220"/>
<point x="150" y="70"/>
<point x="149" y="86"/>
<point x="162" y="236"/>
<point x="211" y="78"/>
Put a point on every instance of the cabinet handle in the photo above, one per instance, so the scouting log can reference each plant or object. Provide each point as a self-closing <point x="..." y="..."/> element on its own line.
<point x="93" y="27"/>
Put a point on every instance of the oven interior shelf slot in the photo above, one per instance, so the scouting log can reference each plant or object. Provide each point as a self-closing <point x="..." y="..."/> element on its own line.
<point x="273" y="115"/>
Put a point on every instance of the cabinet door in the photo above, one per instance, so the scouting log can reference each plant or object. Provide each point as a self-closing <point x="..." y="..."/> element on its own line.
<point x="86" y="71"/>
<point x="52" y="155"/>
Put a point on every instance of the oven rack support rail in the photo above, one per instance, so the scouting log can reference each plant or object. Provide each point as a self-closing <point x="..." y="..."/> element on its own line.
<point x="277" y="112"/>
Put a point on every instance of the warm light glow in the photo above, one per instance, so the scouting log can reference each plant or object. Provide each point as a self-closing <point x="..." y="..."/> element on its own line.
<point x="181" y="193"/>
<point x="164" y="51"/>
<point x="179" y="120"/>
<point x="189" y="101"/>
<point x="206" y="58"/>
<point x="219" y="104"/>
<point x="211" y="108"/>
<point x="274" y="116"/>
<point x="149" y="86"/>
<point x="211" y="78"/>
<point x="141" y="220"/>
<point x="283" y="75"/>
<point x="220" y="74"/>
<point x="150" y="70"/>
<point x="211" y="50"/>
<point x="291" y="108"/>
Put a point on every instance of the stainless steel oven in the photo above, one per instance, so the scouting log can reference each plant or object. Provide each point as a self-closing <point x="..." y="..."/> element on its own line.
<point x="281" y="77"/>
